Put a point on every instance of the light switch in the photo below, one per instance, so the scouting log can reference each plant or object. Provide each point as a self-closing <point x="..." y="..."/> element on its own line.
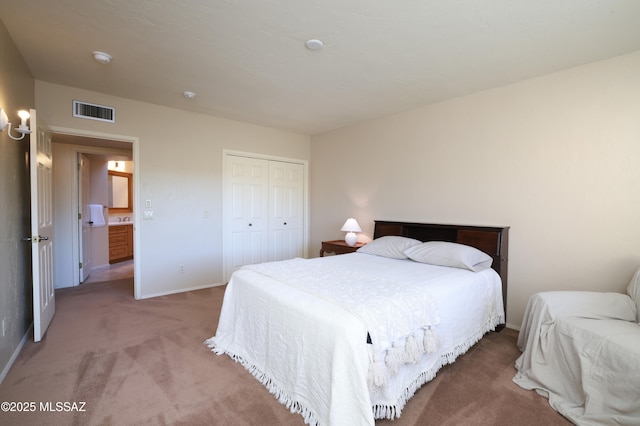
<point x="147" y="203"/>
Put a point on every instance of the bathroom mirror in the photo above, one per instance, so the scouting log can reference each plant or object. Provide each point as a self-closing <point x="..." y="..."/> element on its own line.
<point x="120" y="192"/>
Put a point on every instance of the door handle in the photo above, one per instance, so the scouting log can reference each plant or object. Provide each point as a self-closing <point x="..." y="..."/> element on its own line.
<point x="35" y="239"/>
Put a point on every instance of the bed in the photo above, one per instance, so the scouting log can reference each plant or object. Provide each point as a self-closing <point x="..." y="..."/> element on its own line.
<point x="348" y="339"/>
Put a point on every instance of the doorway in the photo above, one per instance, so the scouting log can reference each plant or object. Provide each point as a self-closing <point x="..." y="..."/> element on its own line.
<point x="105" y="203"/>
<point x="69" y="144"/>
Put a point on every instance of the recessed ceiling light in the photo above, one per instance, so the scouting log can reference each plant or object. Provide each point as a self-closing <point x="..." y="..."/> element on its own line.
<point x="189" y="95"/>
<point x="314" y="44"/>
<point x="103" y="58"/>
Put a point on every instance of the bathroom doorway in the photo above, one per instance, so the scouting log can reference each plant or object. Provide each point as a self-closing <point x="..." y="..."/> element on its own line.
<point x="105" y="203"/>
<point x="71" y="201"/>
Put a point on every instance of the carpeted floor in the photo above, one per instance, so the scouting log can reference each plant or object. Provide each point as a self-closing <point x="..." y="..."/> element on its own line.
<point x="125" y="362"/>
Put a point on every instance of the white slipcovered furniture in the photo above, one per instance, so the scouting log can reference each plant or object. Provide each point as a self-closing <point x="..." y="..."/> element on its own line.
<point x="581" y="350"/>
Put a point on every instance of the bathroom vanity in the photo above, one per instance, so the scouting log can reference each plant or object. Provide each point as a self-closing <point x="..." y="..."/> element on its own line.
<point x="120" y="242"/>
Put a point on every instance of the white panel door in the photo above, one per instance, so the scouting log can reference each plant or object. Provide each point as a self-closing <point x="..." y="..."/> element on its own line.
<point x="40" y="160"/>
<point x="286" y="188"/>
<point x="84" y="216"/>
<point x="246" y="212"/>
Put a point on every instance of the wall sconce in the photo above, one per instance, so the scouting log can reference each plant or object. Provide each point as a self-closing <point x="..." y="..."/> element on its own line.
<point x="22" y="128"/>
<point x="351" y="227"/>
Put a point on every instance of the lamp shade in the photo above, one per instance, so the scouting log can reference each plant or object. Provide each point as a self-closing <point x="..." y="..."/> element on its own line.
<point x="351" y="225"/>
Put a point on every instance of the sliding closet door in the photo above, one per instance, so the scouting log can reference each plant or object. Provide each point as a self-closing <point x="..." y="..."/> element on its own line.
<point x="286" y="189"/>
<point x="246" y="211"/>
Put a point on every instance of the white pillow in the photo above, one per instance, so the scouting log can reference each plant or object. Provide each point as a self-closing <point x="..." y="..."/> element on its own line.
<point x="389" y="246"/>
<point x="634" y="292"/>
<point x="450" y="254"/>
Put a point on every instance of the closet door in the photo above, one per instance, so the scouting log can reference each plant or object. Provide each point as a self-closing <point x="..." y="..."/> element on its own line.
<point x="247" y="212"/>
<point x="286" y="189"/>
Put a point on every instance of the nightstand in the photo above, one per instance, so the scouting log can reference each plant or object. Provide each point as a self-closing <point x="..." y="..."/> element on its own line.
<point x="338" y="247"/>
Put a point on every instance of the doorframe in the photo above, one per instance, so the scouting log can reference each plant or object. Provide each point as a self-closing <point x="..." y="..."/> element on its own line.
<point x="135" y="141"/>
<point x="225" y="197"/>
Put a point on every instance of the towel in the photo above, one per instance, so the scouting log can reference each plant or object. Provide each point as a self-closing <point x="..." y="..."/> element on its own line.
<point x="96" y="215"/>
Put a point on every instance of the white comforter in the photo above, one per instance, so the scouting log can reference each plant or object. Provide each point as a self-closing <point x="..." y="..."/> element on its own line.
<point x="582" y="351"/>
<point x="308" y="346"/>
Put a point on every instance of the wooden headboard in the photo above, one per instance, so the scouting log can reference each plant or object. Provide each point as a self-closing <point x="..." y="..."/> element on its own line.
<point x="492" y="240"/>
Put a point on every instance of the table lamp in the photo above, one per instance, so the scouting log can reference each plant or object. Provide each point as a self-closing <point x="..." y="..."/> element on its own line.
<point x="351" y="227"/>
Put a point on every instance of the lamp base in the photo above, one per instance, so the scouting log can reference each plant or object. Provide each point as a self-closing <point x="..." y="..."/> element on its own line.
<point x="351" y="239"/>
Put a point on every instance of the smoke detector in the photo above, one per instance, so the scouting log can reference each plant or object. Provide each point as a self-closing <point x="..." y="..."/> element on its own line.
<point x="314" y="44"/>
<point x="103" y="58"/>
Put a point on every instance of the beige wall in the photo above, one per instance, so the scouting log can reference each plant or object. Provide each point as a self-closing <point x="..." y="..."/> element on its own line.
<point x="179" y="168"/>
<point x="556" y="158"/>
<point x="16" y="309"/>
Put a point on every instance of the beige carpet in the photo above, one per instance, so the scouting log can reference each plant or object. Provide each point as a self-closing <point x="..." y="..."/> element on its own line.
<point x="144" y="363"/>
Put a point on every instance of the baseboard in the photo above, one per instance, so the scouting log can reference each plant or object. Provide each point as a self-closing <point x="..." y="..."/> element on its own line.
<point x="182" y="290"/>
<point x="99" y="267"/>
<point x="513" y="327"/>
<point x="15" y="354"/>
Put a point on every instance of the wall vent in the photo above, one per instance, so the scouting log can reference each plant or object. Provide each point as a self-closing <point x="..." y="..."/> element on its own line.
<point x="94" y="112"/>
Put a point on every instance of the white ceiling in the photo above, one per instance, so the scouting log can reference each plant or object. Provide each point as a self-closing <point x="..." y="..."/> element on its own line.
<point x="246" y="59"/>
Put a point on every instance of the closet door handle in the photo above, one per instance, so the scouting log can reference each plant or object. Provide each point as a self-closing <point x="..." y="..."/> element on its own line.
<point x="250" y="224"/>
<point x="285" y="223"/>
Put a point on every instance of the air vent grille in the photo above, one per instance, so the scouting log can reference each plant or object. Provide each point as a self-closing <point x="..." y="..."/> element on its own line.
<point x="94" y="111"/>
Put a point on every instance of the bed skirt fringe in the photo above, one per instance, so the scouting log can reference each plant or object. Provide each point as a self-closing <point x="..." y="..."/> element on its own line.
<point x="294" y="406"/>
<point x="393" y="411"/>
<point x="380" y="411"/>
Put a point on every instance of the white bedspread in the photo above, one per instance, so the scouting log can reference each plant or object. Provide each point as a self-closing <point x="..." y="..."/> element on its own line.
<point x="391" y="310"/>
<point x="309" y="347"/>
<point x="582" y="351"/>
